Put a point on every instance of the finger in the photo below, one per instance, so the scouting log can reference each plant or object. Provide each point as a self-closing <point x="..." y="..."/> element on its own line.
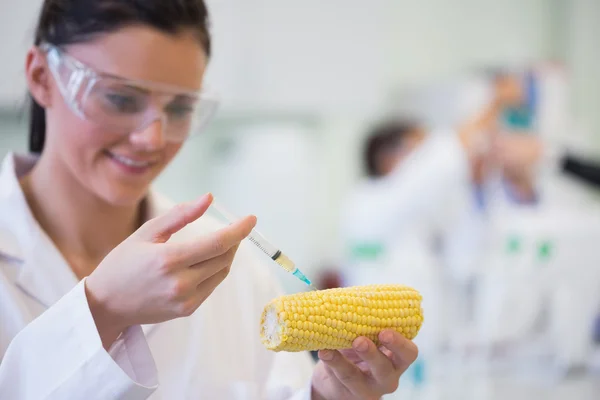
<point x="202" y="292"/>
<point x="337" y="386"/>
<point x="204" y="270"/>
<point x="210" y="284"/>
<point x="213" y="245"/>
<point x="381" y="366"/>
<point x="190" y="304"/>
<point x="160" y="229"/>
<point x="346" y="372"/>
<point x="404" y="351"/>
<point x="187" y="280"/>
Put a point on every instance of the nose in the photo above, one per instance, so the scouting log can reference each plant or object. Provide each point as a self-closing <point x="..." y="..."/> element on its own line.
<point x="152" y="137"/>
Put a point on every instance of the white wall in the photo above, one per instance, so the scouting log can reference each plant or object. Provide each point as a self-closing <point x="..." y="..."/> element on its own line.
<point x="335" y="56"/>
<point x="437" y="38"/>
<point x="17" y="27"/>
<point x="12" y="137"/>
<point x="343" y="56"/>
<point x="309" y="56"/>
<point x="582" y="53"/>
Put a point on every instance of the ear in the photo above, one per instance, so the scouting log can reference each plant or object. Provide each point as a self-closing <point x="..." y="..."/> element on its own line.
<point x="38" y="76"/>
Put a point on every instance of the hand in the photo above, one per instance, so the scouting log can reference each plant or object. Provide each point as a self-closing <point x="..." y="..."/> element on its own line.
<point x="363" y="372"/>
<point x="476" y="133"/>
<point x="517" y="153"/>
<point x="146" y="280"/>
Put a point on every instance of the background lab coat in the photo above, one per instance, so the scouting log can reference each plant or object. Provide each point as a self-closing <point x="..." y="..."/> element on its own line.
<point x="428" y="191"/>
<point x="50" y="349"/>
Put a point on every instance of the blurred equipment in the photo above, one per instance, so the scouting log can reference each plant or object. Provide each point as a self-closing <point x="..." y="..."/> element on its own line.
<point x="539" y="291"/>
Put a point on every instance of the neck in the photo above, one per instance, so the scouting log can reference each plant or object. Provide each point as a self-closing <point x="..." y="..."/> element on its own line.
<point x="84" y="227"/>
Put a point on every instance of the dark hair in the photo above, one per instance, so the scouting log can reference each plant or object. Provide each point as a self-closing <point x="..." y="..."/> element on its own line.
<point x="384" y="137"/>
<point x="63" y="22"/>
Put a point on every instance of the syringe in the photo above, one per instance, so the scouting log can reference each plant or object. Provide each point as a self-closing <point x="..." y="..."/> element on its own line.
<point x="266" y="247"/>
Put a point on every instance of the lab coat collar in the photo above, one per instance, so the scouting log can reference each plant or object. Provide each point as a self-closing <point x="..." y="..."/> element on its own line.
<point x="13" y="207"/>
<point x="44" y="273"/>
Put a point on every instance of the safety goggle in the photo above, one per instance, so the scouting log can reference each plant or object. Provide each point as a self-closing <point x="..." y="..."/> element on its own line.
<point x="125" y="105"/>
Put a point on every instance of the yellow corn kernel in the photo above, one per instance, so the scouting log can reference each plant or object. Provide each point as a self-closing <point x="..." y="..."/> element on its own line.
<point x="338" y="316"/>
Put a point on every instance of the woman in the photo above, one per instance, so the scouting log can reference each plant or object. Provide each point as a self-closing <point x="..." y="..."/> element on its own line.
<point x="97" y="272"/>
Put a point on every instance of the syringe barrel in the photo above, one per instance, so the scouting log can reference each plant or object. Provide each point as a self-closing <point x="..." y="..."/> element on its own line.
<point x="263" y="244"/>
<point x="260" y="241"/>
<point x="254" y="236"/>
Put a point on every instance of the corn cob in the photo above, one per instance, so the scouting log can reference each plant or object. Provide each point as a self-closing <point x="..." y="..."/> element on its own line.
<point x="333" y="318"/>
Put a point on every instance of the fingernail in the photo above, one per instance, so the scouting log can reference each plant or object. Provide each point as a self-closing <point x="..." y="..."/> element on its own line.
<point x="361" y="345"/>
<point x="202" y="199"/>
<point x="386" y="337"/>
<point x="326" y="355"/>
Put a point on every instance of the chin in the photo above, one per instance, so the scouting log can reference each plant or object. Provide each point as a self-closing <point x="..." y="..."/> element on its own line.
<point x="125" y="190"/>
<point x="120" y="196"/>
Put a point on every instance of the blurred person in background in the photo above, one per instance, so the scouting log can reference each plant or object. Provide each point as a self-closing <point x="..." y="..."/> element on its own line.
<point x="416" y="180"/>
<point x="108" y="290"/>
<point x="417" y="183"/>
<point x="386" y="205"/>
<point x="535" y="173"/>
<point x="420" y="215"/>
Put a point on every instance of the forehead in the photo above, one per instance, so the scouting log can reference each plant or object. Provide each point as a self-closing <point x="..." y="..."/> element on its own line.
<point x="146" y="54"/>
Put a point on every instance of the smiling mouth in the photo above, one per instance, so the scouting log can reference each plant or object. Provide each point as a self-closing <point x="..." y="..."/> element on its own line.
<point x="130" y="162"/>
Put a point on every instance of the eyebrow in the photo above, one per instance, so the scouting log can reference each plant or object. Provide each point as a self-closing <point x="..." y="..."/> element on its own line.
<point x="182" y="98"/>
<point x="136" y="88"/>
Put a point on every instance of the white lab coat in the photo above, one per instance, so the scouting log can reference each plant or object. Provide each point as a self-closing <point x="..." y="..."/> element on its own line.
<point x="425" y="193"/>
<point x="50" y="348"/>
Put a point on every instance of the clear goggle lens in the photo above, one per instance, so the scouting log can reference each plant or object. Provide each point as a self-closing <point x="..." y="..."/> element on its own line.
<point x="128" y="106"/>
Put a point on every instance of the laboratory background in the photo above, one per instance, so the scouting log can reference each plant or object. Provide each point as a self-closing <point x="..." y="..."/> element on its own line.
<point x="511" y="286"/>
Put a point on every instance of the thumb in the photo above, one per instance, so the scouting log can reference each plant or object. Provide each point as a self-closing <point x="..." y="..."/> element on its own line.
<point x="161" y="228"/>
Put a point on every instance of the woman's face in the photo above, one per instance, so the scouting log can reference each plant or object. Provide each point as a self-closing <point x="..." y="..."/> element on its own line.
<point x="116" y="167"/>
